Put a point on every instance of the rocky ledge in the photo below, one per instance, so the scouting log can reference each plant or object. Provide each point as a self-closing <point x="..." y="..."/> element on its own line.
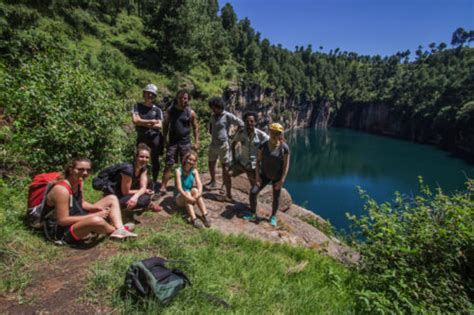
<point x="294" y="226"/>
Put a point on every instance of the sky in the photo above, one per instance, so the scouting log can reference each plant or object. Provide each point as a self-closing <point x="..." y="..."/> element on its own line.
<point x="367" y="27"/>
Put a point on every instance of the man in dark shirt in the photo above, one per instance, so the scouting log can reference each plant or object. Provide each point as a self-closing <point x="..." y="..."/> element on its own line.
<point x="176" y="129"/>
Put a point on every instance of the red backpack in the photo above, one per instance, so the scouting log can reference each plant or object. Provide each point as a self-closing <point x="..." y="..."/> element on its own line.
<point x="37" y="191"/>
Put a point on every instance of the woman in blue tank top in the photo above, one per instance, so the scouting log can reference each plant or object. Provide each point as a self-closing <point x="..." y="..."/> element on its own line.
<point x="185" y="194"/>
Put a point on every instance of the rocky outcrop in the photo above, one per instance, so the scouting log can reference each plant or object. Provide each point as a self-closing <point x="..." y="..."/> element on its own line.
<point x="294" y="222"/>
<point x="271" y="107"/>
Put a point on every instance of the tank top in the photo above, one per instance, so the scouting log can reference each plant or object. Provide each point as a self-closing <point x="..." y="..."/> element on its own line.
<point x="187" y="182"/>
<point x="129" y="170"/>
<point x="179" y="125"/>
<point x="75" y="208"/>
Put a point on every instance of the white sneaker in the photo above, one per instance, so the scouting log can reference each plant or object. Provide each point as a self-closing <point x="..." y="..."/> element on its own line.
<point x="129" y="226"/>
<point x="122" y="233"/>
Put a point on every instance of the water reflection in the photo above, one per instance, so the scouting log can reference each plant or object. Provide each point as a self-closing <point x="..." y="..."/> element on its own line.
<point x="326" y="165"/>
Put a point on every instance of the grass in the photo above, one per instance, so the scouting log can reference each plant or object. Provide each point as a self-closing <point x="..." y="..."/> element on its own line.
<point x="255" y="277"/>
<point x="22" y="250"/>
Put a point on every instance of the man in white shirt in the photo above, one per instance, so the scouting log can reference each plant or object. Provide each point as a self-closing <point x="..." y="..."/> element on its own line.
<point x="250" y="139"/>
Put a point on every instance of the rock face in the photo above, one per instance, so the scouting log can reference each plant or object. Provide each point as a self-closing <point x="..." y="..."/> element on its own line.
<point x="270" y="107"/>
<point x="293" y="227"/>
<point x="368" y="117"/>
<point x="380" y="119"/>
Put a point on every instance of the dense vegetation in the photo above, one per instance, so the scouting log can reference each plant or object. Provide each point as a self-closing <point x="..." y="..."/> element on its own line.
<point x="70" y="70"/>
<point x="121" y="45"/>
<point x="417" y="253"/>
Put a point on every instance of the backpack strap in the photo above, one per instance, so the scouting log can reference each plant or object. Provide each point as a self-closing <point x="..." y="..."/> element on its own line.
<point x="65" y="183"/>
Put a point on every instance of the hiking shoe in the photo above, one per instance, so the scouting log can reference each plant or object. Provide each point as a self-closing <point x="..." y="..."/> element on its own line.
<point x="155" y="208"/>
<point x="129" y="226"/>
<point x="197" y="224"/>
<point x="228" y="199"/>
<point x="273" y="220"/>
<point x="122" y="233"/>
<point x="206" y="220"/>
<point x="211" y="185"/>
<point x="250" y="217"/>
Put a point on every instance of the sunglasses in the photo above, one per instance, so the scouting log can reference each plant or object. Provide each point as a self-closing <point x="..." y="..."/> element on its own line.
<point x="83" y="169"/>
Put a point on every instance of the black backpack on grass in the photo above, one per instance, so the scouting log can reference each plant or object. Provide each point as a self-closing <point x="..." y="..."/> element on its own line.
<point x="150" y="277"/>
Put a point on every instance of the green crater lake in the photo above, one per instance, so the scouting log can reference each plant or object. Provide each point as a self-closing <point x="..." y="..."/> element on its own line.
<point x="327" y="166"/>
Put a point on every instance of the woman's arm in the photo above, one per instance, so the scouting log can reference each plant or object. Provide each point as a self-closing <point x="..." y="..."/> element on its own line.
<point x="60" y="196"/>
<point x="136" y="192"/>
<point x="126" y="185"/>
<point x="286" y="167"/>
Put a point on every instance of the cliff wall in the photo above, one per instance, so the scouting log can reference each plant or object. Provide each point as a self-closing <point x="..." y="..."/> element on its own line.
<point x="367" y="117"/>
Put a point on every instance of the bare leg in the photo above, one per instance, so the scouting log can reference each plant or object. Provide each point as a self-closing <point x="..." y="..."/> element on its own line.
<point x="226" y="179"/>
<point x="212" y="170"/>
<point x="182" y="201"/>
<point x="200" y="201"/>
<point x="93" y="224"/>
<point x="115" y="214"/>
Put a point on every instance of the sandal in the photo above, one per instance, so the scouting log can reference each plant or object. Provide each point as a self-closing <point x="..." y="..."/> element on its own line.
<point x="155" y="208"/>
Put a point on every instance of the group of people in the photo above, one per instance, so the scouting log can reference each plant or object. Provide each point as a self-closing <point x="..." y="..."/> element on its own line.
<point x="264" y="158"/>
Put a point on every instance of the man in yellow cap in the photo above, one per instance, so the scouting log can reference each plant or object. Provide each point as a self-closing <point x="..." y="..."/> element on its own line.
<point x="273" y="162"/>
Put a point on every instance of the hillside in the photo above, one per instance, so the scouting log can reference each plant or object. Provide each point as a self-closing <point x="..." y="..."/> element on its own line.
<point x="69" y="74"/>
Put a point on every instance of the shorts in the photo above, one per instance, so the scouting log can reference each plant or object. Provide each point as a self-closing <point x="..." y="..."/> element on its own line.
<point x="174" y="150"/>
<point x="70" y="238"/>
<point x="237" y="169"/>
<point x="221" y="152"/>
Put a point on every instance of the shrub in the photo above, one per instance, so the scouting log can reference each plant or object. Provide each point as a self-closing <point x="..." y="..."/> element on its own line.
<point x="61" y="109"/>
<point x="417" y="254"/>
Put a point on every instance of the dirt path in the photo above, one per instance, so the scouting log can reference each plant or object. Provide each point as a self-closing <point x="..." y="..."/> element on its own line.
<point x="59" y="287"/>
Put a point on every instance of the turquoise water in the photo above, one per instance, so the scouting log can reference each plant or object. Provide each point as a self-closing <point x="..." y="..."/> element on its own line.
<point x="327" y="165"/>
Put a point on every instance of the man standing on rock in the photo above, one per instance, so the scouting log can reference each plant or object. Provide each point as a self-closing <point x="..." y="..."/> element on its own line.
<point x="176" y="129"/>
<point x="219" y="127"/>
<point x="250" y="139"/>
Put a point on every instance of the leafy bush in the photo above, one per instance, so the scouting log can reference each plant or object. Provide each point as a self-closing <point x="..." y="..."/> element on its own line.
<point x="417" y="255"/>
<point x="61" y="109"/>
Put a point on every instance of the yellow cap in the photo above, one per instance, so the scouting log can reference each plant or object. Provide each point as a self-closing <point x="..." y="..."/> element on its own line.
<point x="277" y="127"/>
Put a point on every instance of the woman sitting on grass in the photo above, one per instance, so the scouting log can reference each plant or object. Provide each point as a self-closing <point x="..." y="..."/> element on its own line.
<point x="133" y="182"/>
<point x="72" y="218"/>
<point x="186" y="195"/>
